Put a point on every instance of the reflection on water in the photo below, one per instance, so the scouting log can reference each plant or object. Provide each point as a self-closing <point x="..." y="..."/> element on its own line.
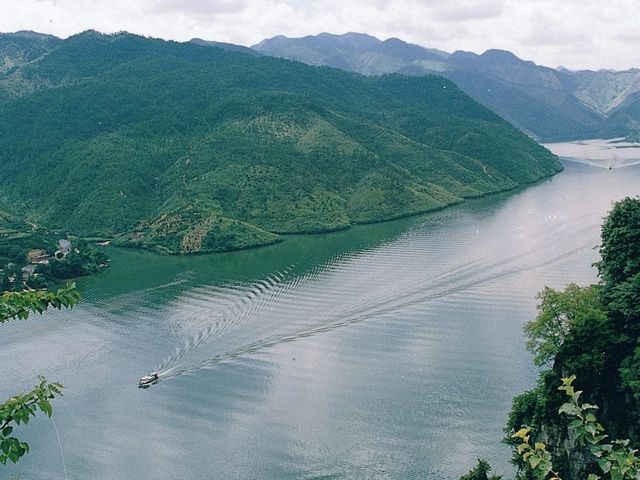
<point x="386" y="351"/>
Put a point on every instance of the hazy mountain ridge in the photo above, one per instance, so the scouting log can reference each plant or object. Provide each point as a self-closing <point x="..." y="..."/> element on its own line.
<point x="185" y="148"/>
<point x="225" y="46"/>
<point x="626" y="117"/>
<point x="548" y="103"/>
<point x="605" y="90"/>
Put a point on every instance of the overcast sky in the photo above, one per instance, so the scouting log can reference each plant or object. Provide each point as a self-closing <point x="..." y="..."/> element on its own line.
<point x="573" y="33"/>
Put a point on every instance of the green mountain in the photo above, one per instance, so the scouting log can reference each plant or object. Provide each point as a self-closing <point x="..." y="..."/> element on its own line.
<point x="550" y="104"/>
<point x="17" y="49"/>
<point x="22" y="47"/>
<point x="180" y="147"/>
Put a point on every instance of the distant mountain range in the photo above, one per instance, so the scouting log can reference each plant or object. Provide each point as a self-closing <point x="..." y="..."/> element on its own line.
<point x="550" y="104"/>
<point x="201" y="147"/>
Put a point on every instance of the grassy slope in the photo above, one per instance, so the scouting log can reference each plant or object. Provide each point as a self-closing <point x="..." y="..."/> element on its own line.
<point x="185" y="148"/>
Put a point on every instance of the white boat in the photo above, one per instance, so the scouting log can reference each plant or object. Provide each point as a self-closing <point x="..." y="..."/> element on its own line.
<point x="148" y="380"/>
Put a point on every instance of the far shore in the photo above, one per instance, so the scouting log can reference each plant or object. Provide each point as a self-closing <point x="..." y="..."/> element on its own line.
<point x="609" y="153"/>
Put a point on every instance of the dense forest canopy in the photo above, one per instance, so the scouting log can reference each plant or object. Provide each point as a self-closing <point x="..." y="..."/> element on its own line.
<point x="189" y="148"/>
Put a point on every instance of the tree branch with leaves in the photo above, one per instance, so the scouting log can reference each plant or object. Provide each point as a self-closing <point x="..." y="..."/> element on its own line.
<point x="19" y="305"/>
<point x="19" y="409"/>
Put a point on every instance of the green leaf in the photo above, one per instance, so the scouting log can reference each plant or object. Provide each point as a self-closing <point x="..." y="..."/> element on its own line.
<point x="604" y="464"/>
<point x="534" y="461"/>
<point x="45" y="406"/>
<point x="616" y="474"/>
<point x="569" y="409"/>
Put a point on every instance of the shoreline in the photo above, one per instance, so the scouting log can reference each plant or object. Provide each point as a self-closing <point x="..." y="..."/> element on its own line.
<point x="283" y="236"/>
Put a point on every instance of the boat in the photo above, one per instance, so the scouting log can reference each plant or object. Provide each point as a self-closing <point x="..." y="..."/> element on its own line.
<point x="147" y="380"/>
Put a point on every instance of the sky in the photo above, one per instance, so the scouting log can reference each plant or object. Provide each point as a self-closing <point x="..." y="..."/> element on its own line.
<point x="576" y="34"/>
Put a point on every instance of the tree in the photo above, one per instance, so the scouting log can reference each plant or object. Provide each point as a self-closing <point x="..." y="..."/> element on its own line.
<point x="5" y="284"/>
<point x="480" y="472"/>
<point x="12" y="278"/>
<point x="620" y="248"/>
<point x="17" y="255"/>
<point x="19" y="409"/>
<point x="558" y="312"/>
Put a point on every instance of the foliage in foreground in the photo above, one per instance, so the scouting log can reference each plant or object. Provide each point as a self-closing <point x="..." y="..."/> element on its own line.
<point x="615" y="459"/>
<point x="592" y="332"/>
<point x="20" y="408"/>
<point x="19" y="305"/>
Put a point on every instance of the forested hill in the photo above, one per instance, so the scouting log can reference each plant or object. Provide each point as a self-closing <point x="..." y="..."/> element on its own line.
<point x="188" y="148"/>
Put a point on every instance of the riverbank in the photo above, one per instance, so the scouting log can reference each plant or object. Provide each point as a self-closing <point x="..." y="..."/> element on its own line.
<point x="257" y="238"/>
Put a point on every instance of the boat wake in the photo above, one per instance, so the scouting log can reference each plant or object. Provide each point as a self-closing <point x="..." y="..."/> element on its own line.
<point x="352" y="288"/>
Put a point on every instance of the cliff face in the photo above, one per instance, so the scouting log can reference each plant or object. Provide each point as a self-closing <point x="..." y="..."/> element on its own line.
<point x="601" y="347"/>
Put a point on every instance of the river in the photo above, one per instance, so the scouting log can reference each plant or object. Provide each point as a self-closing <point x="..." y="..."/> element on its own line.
<point x="384" y="351"/>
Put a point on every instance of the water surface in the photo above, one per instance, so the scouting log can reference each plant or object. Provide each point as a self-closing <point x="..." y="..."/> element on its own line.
<point x="385" y="351"/>
<point x="611" y="153"/>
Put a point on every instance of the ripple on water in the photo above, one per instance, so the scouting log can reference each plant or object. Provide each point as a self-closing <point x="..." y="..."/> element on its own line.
<point x="398" y="360"/>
